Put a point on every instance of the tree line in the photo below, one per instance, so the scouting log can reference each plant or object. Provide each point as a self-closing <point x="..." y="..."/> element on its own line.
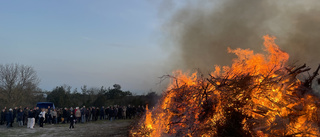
<point x="19" y="87"/>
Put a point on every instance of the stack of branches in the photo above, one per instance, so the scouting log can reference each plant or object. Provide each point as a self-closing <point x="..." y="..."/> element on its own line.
<point x="243" y="104"/>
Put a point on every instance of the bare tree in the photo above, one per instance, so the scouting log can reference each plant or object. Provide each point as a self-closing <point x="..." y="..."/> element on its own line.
<point x="17" y="84"/>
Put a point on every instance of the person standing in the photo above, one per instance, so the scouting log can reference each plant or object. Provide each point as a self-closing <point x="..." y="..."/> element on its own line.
<point x="31" y="119"/>
<point x="119" y="113"/>
<point x="77" y="114"/>
<point x="42" y="117"/>
<point x="93" y="113"/>
<point x="20" y="117"/>
<point x="83" y="114"/>
<point x="72" y="120"/>
<point x="54" y="116"/>
<point x="15" y="111"/>
<point x="65" y="115"/>
<point x="9" y="118"/>
<point x="37" y="112"/>
<point x="25" y="115"/>
<point x="49" y="117"/>
<point x="111" y="114"/>
<point x="3" y="116"/>
<point x="102" y="113"/>
<point x="88" y="113"/>
<point x="124" y="111"/>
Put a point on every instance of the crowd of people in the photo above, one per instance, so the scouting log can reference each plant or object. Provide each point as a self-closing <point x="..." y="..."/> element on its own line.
<point x="41" y="116"/>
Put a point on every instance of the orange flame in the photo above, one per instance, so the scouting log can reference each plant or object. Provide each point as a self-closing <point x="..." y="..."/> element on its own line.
<point x="257" y="93"/>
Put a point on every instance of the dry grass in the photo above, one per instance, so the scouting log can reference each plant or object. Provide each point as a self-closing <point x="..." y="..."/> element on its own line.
<point x="103" y="128"/>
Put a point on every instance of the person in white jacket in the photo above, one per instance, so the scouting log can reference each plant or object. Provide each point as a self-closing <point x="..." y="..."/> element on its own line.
<point x="42" y="117"/>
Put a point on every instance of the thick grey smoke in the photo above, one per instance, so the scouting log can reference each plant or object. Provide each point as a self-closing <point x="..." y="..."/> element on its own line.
<point x="201" y="31"/>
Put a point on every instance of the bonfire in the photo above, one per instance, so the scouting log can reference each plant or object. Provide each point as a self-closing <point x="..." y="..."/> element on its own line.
<point x="258" y="95"/>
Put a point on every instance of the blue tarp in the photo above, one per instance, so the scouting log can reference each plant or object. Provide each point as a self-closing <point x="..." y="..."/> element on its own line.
<point x="45" y="105"/>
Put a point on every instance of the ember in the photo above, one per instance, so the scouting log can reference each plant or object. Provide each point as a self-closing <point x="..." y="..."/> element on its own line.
<point x="258" y="95"/>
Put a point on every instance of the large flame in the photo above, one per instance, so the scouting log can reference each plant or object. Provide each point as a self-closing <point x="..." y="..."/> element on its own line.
<point x="258" y="95"/>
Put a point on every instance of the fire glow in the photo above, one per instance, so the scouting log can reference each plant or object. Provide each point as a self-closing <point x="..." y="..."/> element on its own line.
<point x="258" y="95"/>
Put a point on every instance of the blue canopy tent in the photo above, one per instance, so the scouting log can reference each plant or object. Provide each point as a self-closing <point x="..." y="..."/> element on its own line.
<point x="45" y="105"/>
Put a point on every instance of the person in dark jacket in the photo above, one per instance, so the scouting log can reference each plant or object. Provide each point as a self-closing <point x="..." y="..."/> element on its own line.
<point x="83" y="114"/>
<point x="25" y="115"/>
<point x="9" y="118"/>
<point x="14" y="112"/>
<point x="107" y="113"/>
<point x="94" y="113"/>
<point x="88" y="113"/>
<point x="20" y="117"/>
<point x="102" y="113"/>
<point x="3" y="117"/>
<point x="65" y="115"/>
<point x="97" y="114"/>
<point x="49" y="117"/>
<point x="72" y="120"/>
<point x="31" y="119"/>
<point x="37" y="112"/>
<point x="119" y="113"/>
<point x="111" y="114"/>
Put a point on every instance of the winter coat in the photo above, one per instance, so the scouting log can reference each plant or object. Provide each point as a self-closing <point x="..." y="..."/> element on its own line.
<point x="3" y="116"/>
<point x="9" y="116"/>
<point x="42" y="115"/>
<point x="71" y="118"/>
<point x="65" y="114"/>
<point x="20" y="116"/>
<point x="31" y="114"/>
<point x="14" y="113"/>
<point x="111" y="113"/>
<point x="54" y="114"/>
<point x="78" y="113"/>
<point x="102" y="111"/>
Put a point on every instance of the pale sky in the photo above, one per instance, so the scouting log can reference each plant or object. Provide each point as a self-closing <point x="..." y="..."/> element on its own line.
<point x="84" y="42"/>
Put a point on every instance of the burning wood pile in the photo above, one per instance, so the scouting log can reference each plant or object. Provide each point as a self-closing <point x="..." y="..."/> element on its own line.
<point x="259" y="95"/>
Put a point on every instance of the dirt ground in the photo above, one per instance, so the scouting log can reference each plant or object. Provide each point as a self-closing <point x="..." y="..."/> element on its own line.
<point x="100" y="128"/>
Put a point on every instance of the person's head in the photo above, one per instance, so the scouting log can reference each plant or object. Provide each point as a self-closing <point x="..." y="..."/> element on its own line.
<point x="10" y="109"/>
<point x="20" y="110"/>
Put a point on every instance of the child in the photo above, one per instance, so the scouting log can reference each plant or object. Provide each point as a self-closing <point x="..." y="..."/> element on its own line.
<point x="72" y="120"/>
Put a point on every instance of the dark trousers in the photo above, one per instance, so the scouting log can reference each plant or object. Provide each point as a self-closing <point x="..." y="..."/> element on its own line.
<point x="49" y="120"/>
<point x="41" y="122"/>
<point x="1" y="122"/>
<point x="101" y="117"/>
<point x="9" y="124"/>
<point x="71" y="124"/>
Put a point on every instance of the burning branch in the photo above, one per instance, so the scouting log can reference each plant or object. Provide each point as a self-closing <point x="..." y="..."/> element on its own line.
<point x="256" y="96"/>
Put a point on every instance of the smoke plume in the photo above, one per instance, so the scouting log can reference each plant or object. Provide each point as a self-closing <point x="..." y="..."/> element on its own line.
<point x="202" y="30"/>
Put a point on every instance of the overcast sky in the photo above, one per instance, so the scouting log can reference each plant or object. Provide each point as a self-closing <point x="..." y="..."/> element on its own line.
<point x="80" y="42"/>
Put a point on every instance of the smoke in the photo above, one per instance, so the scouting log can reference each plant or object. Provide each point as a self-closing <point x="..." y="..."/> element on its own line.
<point x="201" y="31"/>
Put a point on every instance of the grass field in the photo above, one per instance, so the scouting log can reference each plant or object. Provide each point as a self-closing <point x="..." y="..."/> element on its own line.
<point x="100" y="128"/>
